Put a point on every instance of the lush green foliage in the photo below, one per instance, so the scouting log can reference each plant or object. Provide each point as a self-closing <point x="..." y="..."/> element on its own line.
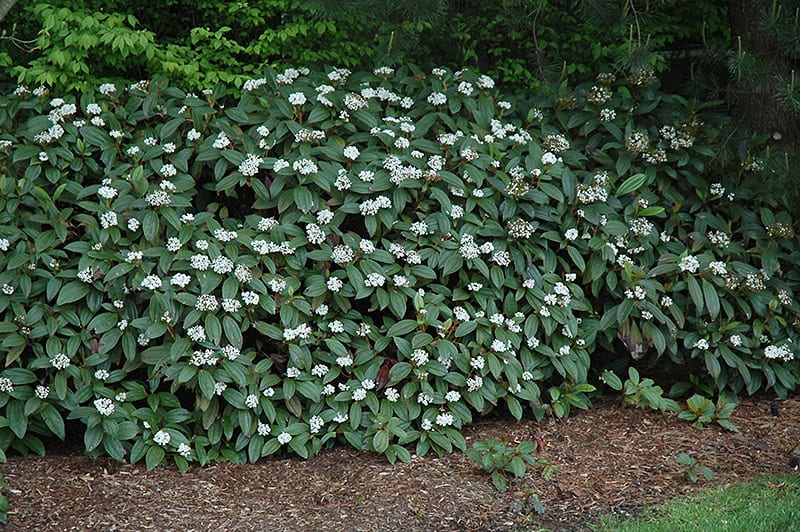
<point x="527" y="44"/>
<point x="80" y="48"/>
<point x="372" y="258"/>
<point x="770" y="503"/>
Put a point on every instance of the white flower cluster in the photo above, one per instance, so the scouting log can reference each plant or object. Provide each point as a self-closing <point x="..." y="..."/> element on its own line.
<point x="302" y="331"/>
<point x="152" y="282"/>
<point x="755" y="281"/>
<point x="399" y="172"/>
<point x="499" y="346"/>
<point x="474" y="383"/>
<point x="636" y="292"/>
<point x="502" y="258"/>
<point x="718" y="267"/>
<point x="262" y="247"/>
<point x="161" y="438"/>
<point x="205" y="357"/>
<point x="677" y="138"/>
<point x="485" y="82"/>
<point x="230" y="352"/>
<point x="785" y="297"/>
<point x="309" y="135"/>
<point x="607" y="115"/>
<point x="222" y="141"/>
<point x="598" y="95"/>
<point x="597" y="191"/>
<point x="342" y="254"/>
<point x="222" y="265"/>
<point x="560" y="295"/>
<point x="104" y="406"/>
<point x="249" y="167"/>
<point x="305" y="167"/>
<point x="719" y="238"/>
<point x="297" y="98"/>
<point x="354" y="102"/>
<point x="60" y="361"/>
<point x="351" y="152"/>
<point x="689" y="263"/>
<point x="315" y="424"/>
<point x="158" y="198"/>
<point x="380" y="93"/>
<point x="314" y="234"/>
<point x="775" y="352"/>
<point x="374" y="280"/>
<point x="556" y="143"/>
<point x="370" y="207"/>
<point x="638" y="142"/>
<point x="701" y="344"/>
<point x="519" y="228"/>
<point x="196" y="333"/>
<point x="253" y="84"/>
<point x="419" y="357"/>
<point x="86" y="275"/>
<point x="288" y="76"/>
<point x="206" y="303"/>
<point x="334" y="284"/>
<point x="641" y="226"/>
<point x="437" y="98"/>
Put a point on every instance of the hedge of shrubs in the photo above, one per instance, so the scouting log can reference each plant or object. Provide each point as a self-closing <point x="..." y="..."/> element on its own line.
<point x="371" y="258"/>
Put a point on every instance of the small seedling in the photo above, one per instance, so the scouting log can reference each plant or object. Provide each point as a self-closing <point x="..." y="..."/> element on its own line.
<point x="693" y="467"/>
<point x="643" y="393"/>
<point x="528" y="499"/>
<point x="501" y="459"/>
<point x="794" y="458"/>
<point x="3" y="500"/>
<point x="702" y="411"/>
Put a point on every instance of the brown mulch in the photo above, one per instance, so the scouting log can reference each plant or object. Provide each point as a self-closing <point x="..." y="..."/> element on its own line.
<point x="607" y="460"/>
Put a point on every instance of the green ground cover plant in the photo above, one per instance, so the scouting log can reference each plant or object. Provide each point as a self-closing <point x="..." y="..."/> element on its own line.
<point x="369" y="258"/>
<point x="499" y="459"/>
<point x="694" y="468"/>
<point x="702" y="410"/>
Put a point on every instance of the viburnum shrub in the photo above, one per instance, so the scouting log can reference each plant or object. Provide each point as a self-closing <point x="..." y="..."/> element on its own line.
<point x="370" y="258"/>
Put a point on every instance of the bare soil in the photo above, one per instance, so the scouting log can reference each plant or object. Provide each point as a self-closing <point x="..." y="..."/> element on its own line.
<point x="608" y="460"/>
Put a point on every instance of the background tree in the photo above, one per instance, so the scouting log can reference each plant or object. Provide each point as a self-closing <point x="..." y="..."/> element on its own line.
<point x="762" y="60"/>
<point x="742" y="51"/>
<point x="5" y="7"/>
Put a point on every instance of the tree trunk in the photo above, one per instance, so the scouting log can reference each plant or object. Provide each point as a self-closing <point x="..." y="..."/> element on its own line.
<point x="755" y="100"/>
<point x="5" y="7"/>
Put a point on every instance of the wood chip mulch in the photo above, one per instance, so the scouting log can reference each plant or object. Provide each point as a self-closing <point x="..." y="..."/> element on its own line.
<point x="608" y="460"/>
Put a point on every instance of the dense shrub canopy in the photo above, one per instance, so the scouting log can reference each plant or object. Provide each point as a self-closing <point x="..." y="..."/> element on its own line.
<point x="368" y="257"/>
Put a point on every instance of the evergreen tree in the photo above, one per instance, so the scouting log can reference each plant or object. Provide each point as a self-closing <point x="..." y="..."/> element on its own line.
<point x="762" y="62"/>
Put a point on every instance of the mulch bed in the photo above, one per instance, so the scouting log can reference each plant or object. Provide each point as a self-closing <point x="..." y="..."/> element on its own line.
<point x="608" y="460"/>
